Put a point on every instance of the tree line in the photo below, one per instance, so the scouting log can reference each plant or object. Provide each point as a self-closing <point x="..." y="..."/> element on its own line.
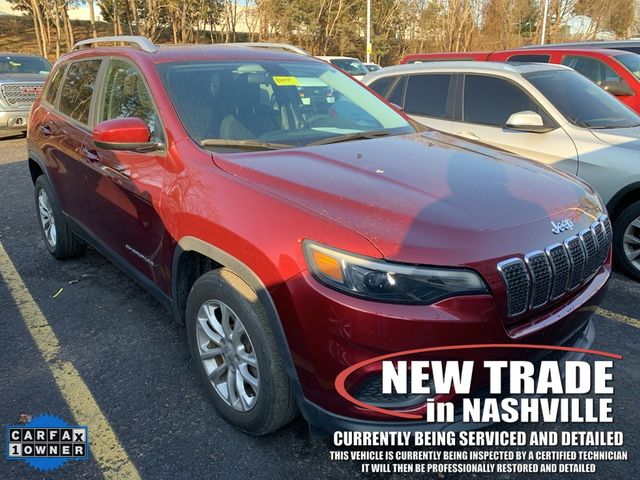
<point x="337" y="27"/>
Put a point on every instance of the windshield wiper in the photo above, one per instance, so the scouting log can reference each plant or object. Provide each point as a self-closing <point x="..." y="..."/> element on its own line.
<point x="243" y="144"/>
<point x="352" y="136"/>
<point x="611" y="127"/>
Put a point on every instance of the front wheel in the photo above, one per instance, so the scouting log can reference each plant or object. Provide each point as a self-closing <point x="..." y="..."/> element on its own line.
<point x="236" y="354"/>
<point x="626" y="241"/>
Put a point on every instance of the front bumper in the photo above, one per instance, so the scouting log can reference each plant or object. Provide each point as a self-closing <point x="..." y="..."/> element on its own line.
<point x="328" y="331"/>
<point x="14" y="121"/>
<point x="324" y="423"/>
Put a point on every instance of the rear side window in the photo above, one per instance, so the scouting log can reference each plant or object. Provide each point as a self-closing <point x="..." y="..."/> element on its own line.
<point x="54" y="85"/>
<point x="77" y="90"/>
<point x="125" y="95"/>
<point x="491" y="100"/>
<point x="427" y="95"/>
<point x="397" y="93"/>
<point x="382" y="85"/>
<point x="592" y="68"/>
<point x="530" y="58"/>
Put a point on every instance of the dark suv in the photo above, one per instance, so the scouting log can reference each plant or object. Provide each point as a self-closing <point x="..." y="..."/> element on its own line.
<point x="295" y="241"/>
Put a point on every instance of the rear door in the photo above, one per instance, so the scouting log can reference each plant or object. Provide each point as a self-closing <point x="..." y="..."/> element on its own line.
<point x="125" y="204"/>
<point x="64" y="131"/>
<point x="428" y="99"/>
<point x="489" y="101"/>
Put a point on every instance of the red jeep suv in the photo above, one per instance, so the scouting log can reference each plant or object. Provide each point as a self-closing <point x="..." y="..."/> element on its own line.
<point x="295" y="237"/>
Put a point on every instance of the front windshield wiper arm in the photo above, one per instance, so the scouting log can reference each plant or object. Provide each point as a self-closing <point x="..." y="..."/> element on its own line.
<point x="611" y="127"/>
<point x="352" y="136"/>
<point x="243" y="144"/>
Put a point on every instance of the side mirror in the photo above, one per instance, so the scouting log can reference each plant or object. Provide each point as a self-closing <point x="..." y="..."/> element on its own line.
<point x="619" y="88"/>
<point x="527" y="121"/>
<point x="123" y="134"/>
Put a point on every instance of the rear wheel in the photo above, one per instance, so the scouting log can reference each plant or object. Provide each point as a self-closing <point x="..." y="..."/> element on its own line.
<point x="626" y="241"/>
<point x="58" y="238"/>
<point x="236" y="355"/>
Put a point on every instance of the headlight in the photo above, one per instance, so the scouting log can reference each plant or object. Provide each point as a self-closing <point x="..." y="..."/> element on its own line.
<point x="388" y="282"/>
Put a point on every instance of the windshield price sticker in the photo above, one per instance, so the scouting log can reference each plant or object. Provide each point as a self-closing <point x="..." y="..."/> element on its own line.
<point x="286" y="81"/>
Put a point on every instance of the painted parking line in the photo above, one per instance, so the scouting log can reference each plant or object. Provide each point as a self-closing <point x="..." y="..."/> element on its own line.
<point x="618" y="317"/>
<point x="104" y="445"/>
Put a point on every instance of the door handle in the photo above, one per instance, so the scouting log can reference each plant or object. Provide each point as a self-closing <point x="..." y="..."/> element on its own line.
<point x="469" y="135"/>
<point x="90" y="156"/>
<point x="46" y="130"/>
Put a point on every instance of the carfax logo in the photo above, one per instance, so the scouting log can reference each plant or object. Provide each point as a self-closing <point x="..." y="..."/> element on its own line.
<point x="47" y="442"/>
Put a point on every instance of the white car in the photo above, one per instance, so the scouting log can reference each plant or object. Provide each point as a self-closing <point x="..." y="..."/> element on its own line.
<point x="548" y="113"/>
<point x="352" y="66"/>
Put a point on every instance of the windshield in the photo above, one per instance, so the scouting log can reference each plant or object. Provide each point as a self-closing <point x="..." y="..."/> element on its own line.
<point x="631" y="62"/>
<point x="581" y="101"/>
<point x="352" y="66"/>
<point x="23" y="64"/>
<point x="245" y="105"/>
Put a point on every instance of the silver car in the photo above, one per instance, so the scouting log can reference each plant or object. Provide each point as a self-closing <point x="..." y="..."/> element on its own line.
<point x="548" y="113"/>
<point x="21" y="79"/>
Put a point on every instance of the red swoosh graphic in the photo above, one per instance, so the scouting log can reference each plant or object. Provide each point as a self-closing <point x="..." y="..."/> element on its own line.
<point x="342" y="376"/>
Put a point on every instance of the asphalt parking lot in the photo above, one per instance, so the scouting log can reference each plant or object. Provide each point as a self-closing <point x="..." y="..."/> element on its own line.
<point x="134" y="360"/>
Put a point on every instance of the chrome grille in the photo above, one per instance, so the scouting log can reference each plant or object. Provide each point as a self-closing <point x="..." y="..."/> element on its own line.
<point x="20" y="94"/>
<point x="608" y="229"/>
<point x="515" y="276"/>
<point x="588" y="238"/>
<point x="540" y="271"/>
<point x="561" y="266"/>
<point x="547" y="275"/>
<point x="602" y="241"/>
<point x="577" y="256"/>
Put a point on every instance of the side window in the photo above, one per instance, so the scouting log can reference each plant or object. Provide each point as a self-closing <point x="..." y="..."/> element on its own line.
<point x="491" y="100"/>
<point x="595" y="70"/>
<point x="54" y="85"/>
<point x="530" y="58"/>
<point x="382" y="85"/>
<point x="77" y="89"/>
<point x="397" y="93"/>
<point x="427" y="95"/>
<point x="125" y="95"/>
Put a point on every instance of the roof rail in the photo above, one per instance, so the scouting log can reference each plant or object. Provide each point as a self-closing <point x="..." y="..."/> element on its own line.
<point x="143" y="43"/>
<point x="271" y="46"/>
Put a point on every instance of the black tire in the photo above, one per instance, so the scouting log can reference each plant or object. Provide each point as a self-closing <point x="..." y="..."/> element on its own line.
<point x="624" y="220"/>
<point x="66" y="243"/>
<point x="275" y="403"/>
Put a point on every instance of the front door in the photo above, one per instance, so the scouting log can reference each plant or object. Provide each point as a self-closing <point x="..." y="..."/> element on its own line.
<point x="487" y="104"/>
<point x="125" y="205"/>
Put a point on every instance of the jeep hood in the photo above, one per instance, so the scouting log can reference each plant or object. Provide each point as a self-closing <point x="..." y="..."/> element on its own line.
<point x="425" y="198"/>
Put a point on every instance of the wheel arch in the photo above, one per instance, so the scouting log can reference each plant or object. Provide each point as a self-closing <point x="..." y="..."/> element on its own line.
<point x="221" y="259"/>
<point x="621" y="200"/>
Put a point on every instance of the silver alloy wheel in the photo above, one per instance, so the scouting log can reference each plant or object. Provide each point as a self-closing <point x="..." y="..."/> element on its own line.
<point x="46" y="218"/>
<point x="631" y="243"/>
<point x="228" y="355"/>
